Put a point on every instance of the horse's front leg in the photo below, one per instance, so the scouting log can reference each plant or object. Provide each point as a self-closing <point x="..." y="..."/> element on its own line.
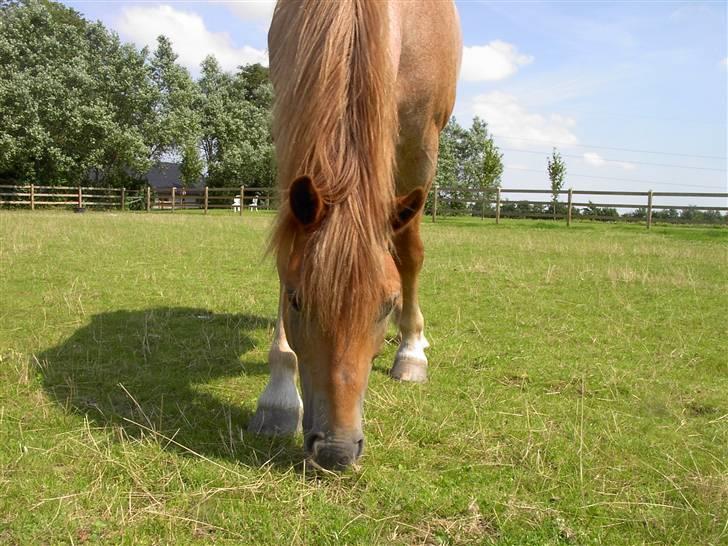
<point x="279" y="407"/>
<point x="410" y="363"/>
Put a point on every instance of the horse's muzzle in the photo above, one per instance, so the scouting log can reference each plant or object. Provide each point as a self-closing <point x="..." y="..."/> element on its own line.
<point x="333" y="452"/>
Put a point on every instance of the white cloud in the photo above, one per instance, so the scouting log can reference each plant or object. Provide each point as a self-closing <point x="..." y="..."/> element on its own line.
<point x="592" y="158"/>
<point x="191" y="39"/>
<point x="252" y="10"/>
<point x="508" y="118"/>
<point x="495" y="61"/>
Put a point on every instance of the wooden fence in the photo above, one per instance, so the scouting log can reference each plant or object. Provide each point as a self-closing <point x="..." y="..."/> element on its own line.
<point x="491" y="202"/>
<point x="473" y="201"/>
<point x="236" y="199"/>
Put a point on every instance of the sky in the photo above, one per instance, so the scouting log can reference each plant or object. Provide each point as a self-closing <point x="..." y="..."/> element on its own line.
<point x="633" y="94"/>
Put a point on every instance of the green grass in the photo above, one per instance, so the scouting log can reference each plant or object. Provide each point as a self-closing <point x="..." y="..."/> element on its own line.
<point x="578" y="389"/>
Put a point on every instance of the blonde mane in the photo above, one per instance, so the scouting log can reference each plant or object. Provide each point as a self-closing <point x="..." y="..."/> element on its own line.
<point x="335" y="120"/>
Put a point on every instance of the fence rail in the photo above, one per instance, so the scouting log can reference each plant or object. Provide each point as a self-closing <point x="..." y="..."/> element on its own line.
<point x="236" y="199"/>
<point x="487" y="203"/>
<point x="490" y="203"/>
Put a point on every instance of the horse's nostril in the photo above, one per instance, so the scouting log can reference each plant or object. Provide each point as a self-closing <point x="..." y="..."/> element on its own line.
<point x="359" y="448"/>
<point x="309" y="442"/>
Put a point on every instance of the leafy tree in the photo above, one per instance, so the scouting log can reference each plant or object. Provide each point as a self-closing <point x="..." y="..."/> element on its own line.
<point x="600" y="213"/>
<point x="126" y="96"/>
<point x="73" y="99"/>
<point x="670" y="215"/>
<point x="235" y="118"/>
<point x="449" y="172"/>
<point x="482" y="161"/>
<point x="44" y="80"/>
<point x="447" y="161"/>
<point x="467" y="160"/>
<point x="446" y="173"/>
<point x="557" y="172"/>
<point x="191" y="166"/>
<point x="211" y="106"/>
<point x="177" y="121"/>
<point x="256" y="87"/>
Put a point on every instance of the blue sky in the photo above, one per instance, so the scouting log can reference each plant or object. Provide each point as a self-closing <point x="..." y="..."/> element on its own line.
<point x="605" y="82"/>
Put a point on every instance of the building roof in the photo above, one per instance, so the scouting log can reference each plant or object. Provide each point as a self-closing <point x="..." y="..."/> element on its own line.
<point x="164" y="175"/>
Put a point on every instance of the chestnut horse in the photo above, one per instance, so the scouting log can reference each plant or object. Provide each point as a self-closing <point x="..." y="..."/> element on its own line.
<point x="363" y="89"/>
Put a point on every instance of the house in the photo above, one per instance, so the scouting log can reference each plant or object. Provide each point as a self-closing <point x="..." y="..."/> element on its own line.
<point x="166" y="175"/>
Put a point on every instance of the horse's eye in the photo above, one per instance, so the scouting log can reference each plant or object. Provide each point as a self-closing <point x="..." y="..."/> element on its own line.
<point x="294" y="300"/>
<point x="386" y="309"/>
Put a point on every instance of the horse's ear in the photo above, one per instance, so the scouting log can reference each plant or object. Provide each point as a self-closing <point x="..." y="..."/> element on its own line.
<point x="305" y="202"/>
<point x="407" y="208"/>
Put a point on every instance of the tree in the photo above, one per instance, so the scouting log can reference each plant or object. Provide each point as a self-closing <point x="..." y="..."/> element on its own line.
<point x="255" y="82"/>
<point x="235" y="121"/>
<point x="212" y="86"/>
<point x="177" y="120"/>
<point x="449" y="174"/>
<point x="467" y="160"/>
<point x="483" y="161"/>
<point x="446" y="171"/>
<point x="600" y="213"/>
<point x="42" y="83"/>
<point x="191" y="166"/>
<point x="557" y="172"/>
<point x="126" y="96"/>
<point x="73" y="99"/>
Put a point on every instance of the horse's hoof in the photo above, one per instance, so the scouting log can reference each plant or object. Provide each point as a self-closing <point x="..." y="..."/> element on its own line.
<point x="409" y="369"/>
<point x="273" y="421"/>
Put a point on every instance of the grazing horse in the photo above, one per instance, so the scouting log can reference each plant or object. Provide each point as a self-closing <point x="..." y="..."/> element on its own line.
<point x="362" y="90"/>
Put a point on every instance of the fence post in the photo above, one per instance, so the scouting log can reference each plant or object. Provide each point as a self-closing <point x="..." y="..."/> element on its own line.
<point x="123" y="198"/>
<point x="482" y="206"/>
<point x="242" y="192"/>
<point x="174" y="196"/>
<point x="206" y="199"/>
<point x="32" y="197"/>
<point x="649" y="209"/>
<point x="434" y="204"/>
<point x="80" y="197"/>
<point x="568" y="211"/>
<point x="149" y="197"/>
<point x="497" y="206"/>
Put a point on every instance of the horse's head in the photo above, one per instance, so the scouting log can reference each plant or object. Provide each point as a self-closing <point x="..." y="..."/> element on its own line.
<point x="336" y="343"/>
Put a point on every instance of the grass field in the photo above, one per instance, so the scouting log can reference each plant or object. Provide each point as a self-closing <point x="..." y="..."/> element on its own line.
<point x="578" y="389"/>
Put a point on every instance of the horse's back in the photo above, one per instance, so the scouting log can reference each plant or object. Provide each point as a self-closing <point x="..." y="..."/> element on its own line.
<point x="429" y="60"/>
<point x="427" y="72"/>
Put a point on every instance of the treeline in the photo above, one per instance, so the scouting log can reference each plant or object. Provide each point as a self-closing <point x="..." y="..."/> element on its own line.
<point x="77" y="105"/>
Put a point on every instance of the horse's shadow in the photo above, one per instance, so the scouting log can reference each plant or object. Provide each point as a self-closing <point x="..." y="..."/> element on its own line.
<point x="156" y="373"/>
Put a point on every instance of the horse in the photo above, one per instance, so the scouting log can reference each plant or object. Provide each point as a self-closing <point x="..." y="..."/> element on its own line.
<point x="362" y="90"/>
